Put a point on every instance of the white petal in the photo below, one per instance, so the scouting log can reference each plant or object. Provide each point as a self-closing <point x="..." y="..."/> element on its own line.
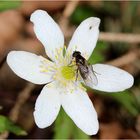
<point x="47" y="107"/>
<point x="112" y="79"/>
<point x="47" y="31"/>
<point x="80" y="109"/>
<point x="85" y="37"/>
<point x="27" y="66"/>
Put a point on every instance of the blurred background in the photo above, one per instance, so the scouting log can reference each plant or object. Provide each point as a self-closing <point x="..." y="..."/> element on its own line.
<point x="118" y="45"/>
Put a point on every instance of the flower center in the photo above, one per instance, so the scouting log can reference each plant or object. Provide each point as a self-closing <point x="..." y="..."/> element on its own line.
<point x="68" y="72"/>
<point x="62" y="72"/>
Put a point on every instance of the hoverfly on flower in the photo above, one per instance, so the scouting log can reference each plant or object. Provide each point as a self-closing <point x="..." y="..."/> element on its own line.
<point x="86" y="70"/>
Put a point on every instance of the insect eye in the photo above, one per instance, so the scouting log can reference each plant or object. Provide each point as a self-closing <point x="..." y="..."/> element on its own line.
<point x="73" y="55"/>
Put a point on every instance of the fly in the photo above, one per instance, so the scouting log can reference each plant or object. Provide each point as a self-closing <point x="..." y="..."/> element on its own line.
<point x="85" y="70"/>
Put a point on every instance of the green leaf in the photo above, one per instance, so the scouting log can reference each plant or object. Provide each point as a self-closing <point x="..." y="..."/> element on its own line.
<point x="2" y="124"/>
<point x="66" y="129"/>
<point x="126" y="99"/>
<point x="81" y="13"/>
<point x="6" y="5"/>
<point x="97" y="55"/>
<point x="63" y="127"/>
<point x="78" y="134"/>
<point x="7" y="125"/>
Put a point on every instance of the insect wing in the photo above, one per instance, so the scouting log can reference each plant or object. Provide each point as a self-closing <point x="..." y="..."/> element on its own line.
<point x="86" y="71"/>
<point x="90" y="78"/>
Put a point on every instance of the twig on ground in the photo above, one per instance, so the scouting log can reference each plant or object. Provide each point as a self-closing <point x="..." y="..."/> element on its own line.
<point x="4" y="135"/>
<point x="125" y="59"/>
<point x="21" y="99"/>
<point x="64" y="20"/>
<point x="120" y="37"/>
<point x="70" y="7"/>
<point x="111" y="37"/>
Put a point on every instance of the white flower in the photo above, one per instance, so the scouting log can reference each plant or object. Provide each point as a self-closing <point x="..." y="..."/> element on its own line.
<point x="62" y="88"/>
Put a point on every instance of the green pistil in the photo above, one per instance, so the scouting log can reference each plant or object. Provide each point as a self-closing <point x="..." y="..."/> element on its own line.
<point x="68" y="72"/>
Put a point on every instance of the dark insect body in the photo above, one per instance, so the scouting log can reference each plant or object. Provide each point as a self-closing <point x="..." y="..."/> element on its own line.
<point x="85" y="70"/>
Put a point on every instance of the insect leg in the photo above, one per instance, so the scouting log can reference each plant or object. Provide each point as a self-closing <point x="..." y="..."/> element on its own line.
<point x="76" y="74"/>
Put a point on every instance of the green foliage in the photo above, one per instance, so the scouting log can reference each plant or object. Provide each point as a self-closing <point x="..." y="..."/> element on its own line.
<point x="8" y="125"/>
<point x="111" y="8"/>
<point x="127" y="100"/>
<point x="6" y="5"/>
<point x="66" y="129"/>
<point x="119" y="48"/>
<point x="81" y="13"/>
<point x="64" y="51"/>
<point x="97" y="55"/>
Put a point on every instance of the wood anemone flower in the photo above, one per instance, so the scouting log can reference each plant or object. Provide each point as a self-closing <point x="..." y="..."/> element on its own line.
<point x="61" y="87"/>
